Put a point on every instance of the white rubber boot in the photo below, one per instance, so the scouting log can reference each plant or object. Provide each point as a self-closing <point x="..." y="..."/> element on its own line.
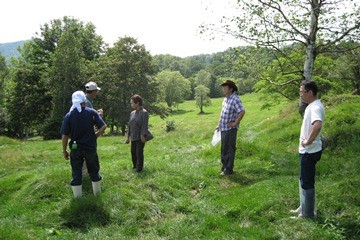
<point x="96" y="188"/>
<point x="77" y="190"/>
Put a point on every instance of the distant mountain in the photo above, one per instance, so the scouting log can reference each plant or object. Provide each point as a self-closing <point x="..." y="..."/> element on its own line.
<point x="9" y="50"/>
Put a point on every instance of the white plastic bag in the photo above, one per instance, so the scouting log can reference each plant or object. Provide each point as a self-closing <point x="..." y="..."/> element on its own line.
<point x="216" y="138"/>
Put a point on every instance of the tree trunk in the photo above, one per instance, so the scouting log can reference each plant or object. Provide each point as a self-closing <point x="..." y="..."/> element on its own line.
<point x="310" y="60"/>
<point x="311" y="50"/>
<point x="123" y="129"/>
<point x="111" y="129"/>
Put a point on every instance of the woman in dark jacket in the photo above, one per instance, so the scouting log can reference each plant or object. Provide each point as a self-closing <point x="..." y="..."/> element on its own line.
<point x="138" y="128"/>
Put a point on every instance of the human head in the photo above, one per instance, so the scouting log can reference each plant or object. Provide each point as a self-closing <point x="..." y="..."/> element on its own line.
<point x="78" y="100"/>
<point x="136" y="101"/>
<point x="92" y="89"/>
<point x="308" y="91"/>
<point x="229" y="87"/>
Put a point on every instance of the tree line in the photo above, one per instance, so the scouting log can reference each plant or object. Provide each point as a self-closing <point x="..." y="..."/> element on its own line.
<point x="67" y="53"/>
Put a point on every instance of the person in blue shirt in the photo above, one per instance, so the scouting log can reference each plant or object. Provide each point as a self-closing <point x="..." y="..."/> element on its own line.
<point x="232" y="113"/>
<point x="78" y="126"/>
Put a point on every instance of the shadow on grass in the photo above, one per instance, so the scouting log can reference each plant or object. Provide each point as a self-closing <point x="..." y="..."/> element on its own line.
<point x="242" y="179"/>
<point x="85" y="212"/>
<point x="180" y="112"/>
<point x="205" y="113"/>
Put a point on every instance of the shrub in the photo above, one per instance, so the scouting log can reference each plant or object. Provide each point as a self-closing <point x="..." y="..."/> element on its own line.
<point x="170" y="126"/>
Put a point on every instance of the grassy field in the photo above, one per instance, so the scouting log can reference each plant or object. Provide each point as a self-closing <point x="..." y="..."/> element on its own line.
<point x="180" y="194"/>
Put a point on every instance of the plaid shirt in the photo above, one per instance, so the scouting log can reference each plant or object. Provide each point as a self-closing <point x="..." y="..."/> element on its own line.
<point x="231" y="107"/>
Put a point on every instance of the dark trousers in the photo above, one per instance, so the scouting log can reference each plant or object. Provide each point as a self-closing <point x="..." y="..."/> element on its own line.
<point x="228" y="148"/>
<point x="307" y="169"/>
<point x="77" y="158"/>
<point x="137" y="154"/>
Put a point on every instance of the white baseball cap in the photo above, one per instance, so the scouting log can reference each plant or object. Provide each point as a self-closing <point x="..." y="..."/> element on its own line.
<point x="90" y="86"/>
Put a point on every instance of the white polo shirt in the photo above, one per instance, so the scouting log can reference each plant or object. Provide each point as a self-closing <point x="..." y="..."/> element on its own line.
<point x="314" y="112"/>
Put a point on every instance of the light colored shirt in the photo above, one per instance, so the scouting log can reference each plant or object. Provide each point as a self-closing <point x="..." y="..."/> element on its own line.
<point x="314" y="112"/>
<point x="231" y="107"/>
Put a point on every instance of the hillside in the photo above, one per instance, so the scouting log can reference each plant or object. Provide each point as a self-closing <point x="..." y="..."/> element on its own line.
<point x="180" y="194"/>
<point x="9" y="50"/>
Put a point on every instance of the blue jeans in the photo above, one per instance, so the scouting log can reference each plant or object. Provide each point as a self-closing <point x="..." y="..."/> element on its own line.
<point x="228" y="148"/>
<point x="77" y="158"/>
<point x="307" y="169"/>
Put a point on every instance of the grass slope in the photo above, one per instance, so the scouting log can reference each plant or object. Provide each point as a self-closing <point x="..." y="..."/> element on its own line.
<point x="180" y="194"/>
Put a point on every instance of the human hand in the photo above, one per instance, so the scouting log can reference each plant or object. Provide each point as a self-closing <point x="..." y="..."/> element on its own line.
<point x="232" y="124"/>
<point x="127" y="141"/>
<point x="143" y="140"/>
<point x="101" y="113"/>
<point x="304" y="142"/>
<point x="217" y="128"/>
<point x="66" y="155"/>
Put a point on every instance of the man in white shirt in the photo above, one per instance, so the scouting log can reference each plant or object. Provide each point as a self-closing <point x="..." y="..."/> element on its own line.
<point x="310" y="148"/>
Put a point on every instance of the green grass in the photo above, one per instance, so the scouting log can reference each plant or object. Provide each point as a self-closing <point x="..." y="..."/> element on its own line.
<point x="180" y="194"/>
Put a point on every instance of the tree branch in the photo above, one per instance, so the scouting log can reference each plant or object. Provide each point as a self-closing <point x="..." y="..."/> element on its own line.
<point x="278" y="8"/>
<point x="346" y="33"/>
<point x="285" y="83"/>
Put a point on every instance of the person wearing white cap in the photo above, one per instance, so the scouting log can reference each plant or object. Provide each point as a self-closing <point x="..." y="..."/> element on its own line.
<point x="92" y="90"/>
<point x="78" y="126"/>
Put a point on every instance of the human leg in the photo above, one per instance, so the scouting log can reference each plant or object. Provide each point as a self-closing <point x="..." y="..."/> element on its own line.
<point x="92" y="161"/>
<point x="76" y="161"/>
<point x="307" y="178"/>
<point x="232" y="150"/>
<point x="224" y="149"/>
<point x="93" y="165"/>
<point x="133" y="154"/>
<point x="139" y="155"/>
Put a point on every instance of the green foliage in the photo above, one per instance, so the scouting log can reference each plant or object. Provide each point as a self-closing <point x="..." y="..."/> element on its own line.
<point x="175" y="88"/>
<point x="347" y="68"/>
<point x="202" y="98"/>
<point x="28" y="93"/>
<point x="3" y="111"/>
<point x="127" y="68"/>
<point x="346" y="116"/>
<point x="203" y="78"/>
<point x="170" y="125"/>
<point x="66" y="74"/>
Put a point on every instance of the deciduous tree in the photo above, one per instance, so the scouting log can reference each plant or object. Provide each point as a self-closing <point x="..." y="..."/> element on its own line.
<point x="318" y="25"/>
<point x="175" y="88"/>
<point x="202" y="97"/>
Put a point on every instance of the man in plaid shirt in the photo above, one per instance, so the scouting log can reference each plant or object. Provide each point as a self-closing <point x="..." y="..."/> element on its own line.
<point x="231" y="114"/>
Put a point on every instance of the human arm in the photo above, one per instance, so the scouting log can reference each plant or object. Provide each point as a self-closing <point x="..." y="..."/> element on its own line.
<point x="101" y="113"/>
<point x="127" y="141"/>
<point x="237" y="120"/>
<point x="144" y="126"/>
<point x="315" y="130"/>
<point x="100" y="131"/>
<point x="64" y="140"/>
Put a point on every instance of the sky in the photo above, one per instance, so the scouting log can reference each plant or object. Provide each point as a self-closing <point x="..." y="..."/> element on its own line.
<point x="163" y="26"/>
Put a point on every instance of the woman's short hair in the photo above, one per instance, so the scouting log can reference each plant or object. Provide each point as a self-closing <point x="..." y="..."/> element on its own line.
<point x="137" y="99"/>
